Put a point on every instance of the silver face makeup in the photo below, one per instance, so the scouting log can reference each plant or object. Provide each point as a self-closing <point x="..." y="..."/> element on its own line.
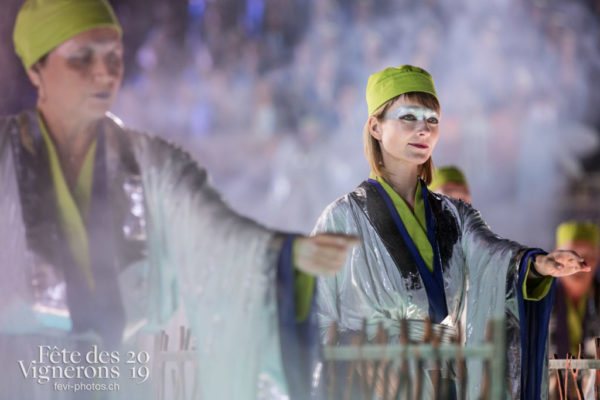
<point x="413" y="113"/>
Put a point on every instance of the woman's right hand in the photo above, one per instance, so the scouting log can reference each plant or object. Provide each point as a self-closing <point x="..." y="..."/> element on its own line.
<point x="560" y="263"/>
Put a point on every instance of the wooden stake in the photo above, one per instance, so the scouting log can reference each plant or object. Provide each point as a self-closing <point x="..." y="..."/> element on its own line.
<point x="461" y="368"/>
<point x="404" y="366"/>
<point x="362" y="362"/>
<point x="558" y="381"/>
<point x="332" y="338"/>
<point x="485" y="385"/>
<point x="597" y="383"/>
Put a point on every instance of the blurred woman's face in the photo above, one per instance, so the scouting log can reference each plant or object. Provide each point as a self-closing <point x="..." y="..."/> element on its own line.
<point x="82" y="75"/>
<point x="407" y="133"/>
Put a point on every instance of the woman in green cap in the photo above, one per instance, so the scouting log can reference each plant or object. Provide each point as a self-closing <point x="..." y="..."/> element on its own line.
<point x="105" y="228"/>
<point x="577" y="302"/>
<point x="420" y="251"/>
<point x="575" y="319"/>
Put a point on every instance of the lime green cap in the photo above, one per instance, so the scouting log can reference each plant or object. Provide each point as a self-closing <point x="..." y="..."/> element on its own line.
<point x="391" y="82"/>
<point x="447" y="174"/>
<point x="44" y="24"/>
<point x="571" y="231"/>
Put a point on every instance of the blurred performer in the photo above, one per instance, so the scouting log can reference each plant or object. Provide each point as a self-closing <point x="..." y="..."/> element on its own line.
<point x="420" y="250"/>
<point x="577" y="301"/>
<point x="105" y="228"/>
<point x="575" y="317"/>
<point x="451" y="182"/>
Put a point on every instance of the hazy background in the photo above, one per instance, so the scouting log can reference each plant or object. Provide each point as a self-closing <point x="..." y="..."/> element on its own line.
<point x="269" y="96"/>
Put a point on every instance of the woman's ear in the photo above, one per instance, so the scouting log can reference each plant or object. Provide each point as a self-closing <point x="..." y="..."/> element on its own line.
<point x="36" y="79"/>
<point x="34" y="76"/>
<point x="374" y="127"/>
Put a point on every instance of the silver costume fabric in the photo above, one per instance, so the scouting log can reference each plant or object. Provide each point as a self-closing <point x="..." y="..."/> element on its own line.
<point x="222" y="265"/>
<point x="480" y="277"/>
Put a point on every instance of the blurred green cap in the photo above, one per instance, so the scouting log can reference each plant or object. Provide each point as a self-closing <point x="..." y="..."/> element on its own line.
<point x="571" y="231"/>
<point x="42" y="25"/>
<point x="443" y="175"/>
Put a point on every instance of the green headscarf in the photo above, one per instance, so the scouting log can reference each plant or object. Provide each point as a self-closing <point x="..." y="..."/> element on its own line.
<point x="571" y="231"/>
<point x="391" y="82"/>
<point x="444" y="175"/>
<point x="44" y="24"/>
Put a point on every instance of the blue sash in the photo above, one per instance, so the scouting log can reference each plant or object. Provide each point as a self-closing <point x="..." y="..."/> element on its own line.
<point x="534" y="317"/>
<point x="299" y="341"/>
<point x="434" y="283"/>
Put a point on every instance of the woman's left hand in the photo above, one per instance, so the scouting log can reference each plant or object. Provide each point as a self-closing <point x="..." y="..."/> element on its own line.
<point x="560" y="263"/>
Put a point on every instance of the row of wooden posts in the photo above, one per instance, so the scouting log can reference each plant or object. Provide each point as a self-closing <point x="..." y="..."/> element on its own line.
<point x="568" y="369"/>
<point x="374" y="369"/>
<point x="392" y="363"/>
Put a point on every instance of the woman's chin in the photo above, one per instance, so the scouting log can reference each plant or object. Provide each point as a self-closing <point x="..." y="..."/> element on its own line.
<point x="423" y="160"/>
<point x="94" y="113"/>
<point x="579" y="278"/>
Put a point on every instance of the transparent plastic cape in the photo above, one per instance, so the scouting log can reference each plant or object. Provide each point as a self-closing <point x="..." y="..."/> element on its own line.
<point x="193" y="247"/>
<point x="372" y="286"/>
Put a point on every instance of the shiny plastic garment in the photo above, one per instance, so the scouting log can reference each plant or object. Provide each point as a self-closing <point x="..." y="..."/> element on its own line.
<point x="374" y="288"/>
<point x="187" y="243"/>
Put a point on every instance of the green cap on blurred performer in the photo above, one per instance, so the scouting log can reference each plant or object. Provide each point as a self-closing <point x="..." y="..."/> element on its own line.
<point x="445" y="175"/>
<point x="44" y="24"/>
<point x="577" y="231"/>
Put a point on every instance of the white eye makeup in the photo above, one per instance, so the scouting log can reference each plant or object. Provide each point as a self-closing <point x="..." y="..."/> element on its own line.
<point x="414" y="113"/>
